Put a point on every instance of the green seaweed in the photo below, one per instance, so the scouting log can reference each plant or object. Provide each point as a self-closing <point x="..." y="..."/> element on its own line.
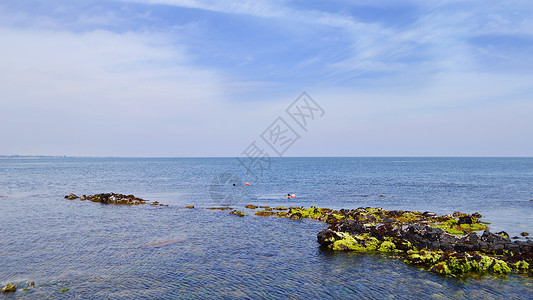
<point x="387" y="246"/>
<point x="473" y="227"/>
<point x="264" y="213"/>
<point x="237" y="213"/>
<point x="521" y="266"/>
<point x="346" y="243"/>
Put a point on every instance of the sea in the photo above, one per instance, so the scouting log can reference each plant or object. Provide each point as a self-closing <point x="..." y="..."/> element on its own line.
<point x="74" y="249"/>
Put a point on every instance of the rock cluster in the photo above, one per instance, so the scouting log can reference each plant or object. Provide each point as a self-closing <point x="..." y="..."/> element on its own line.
<point x="112" y="198"/>
<point x="432" y="247"/>
<point x="447" y="245"/>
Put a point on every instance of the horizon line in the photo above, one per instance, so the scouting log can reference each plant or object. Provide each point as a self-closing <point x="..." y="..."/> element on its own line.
<point x="360" y="156"/>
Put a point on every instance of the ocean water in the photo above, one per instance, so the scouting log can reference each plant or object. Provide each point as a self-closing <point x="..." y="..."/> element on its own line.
<point x="106" y="251"/>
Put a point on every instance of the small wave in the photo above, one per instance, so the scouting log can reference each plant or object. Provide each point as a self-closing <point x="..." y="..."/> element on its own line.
<point x="163" y="243"/>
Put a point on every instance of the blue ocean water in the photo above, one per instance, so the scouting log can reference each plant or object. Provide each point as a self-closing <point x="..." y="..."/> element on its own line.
<point x="144" y="251"/>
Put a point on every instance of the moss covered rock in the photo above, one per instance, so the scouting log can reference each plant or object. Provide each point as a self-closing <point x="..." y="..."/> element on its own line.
<point x="10" y="288"/>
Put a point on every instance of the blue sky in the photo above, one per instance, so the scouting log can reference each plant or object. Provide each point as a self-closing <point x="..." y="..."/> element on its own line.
<point x="206" y="78"/>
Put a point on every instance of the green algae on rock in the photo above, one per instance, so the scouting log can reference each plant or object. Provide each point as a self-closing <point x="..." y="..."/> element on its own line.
<point x="432" y="248"/>
<point x="237" y="213"/>
<point x="10" y="288"/>
<point x="112" y="198"/>
<point x="221" y="208"/>
<point x="446" y="245"/>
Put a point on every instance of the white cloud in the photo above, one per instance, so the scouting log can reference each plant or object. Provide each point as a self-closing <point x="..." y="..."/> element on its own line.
<point x="60" y="89"/>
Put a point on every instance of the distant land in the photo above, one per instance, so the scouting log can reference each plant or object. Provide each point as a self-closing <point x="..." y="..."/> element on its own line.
<point x="32" y="156"/>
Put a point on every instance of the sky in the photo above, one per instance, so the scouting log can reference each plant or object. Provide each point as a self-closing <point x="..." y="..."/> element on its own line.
<point x="181" y="78"/>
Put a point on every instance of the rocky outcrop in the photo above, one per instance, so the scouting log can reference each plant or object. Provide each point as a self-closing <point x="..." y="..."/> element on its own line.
<point x="432" y="248"/>
<point x="447" y="245"/>
<point x="112" y="198"/>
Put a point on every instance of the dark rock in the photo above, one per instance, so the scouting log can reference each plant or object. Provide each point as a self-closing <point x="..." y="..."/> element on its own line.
<point x="395" y="213"/>
<point x="351" y="227"/>
<point x="71" y="196"/>
<point x="428" y="214"/>
<point x="326" y="237"/>
<point x="503" y="234"/>
<point x="110" y="198"/>
<point x="465" y="220"/>
<point x="295" y="216"/>
<point x="524" y="234"/>
<point x="477" y="215"/>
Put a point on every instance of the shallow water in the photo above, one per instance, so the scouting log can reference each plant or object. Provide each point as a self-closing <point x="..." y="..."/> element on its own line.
<point x="144" y="251"/>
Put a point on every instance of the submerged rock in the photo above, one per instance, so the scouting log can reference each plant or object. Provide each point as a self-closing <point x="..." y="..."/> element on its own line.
<point x="279" y="208"/>
<point x="220" y="208"/>
<point x="250" y="206"/>
<point x="10" y="288"/>
<point x="71" y="196"/>
<point x="237" y="213"/>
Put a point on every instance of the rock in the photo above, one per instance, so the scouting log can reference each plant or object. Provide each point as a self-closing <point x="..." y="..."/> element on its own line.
<point x="515" y="237"/>
<point x="446" y="253"/>
<point x="31" y="283"/>
<point x="465" y="220"/>
<point x="477" y="215"/>
<point x="280" y="208"/>
<point x="10" y="288"/>
<point x="524" y="234"/>
<point x="71" y="197"/>
<point x="428" y="214"/>
<point x="237" y="213"/>
<point x="109" y="198"/>
<point x="447" y="245"/>
<point x="264" y="213"/>
<point x="189" y="206"/>
<point x="220" y="208"/>
<point x="503" y="234"/>
<point x="250" y="206"/>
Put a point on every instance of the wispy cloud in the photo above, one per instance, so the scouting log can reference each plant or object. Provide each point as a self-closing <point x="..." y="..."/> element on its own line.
<point x="187" y="76"/>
